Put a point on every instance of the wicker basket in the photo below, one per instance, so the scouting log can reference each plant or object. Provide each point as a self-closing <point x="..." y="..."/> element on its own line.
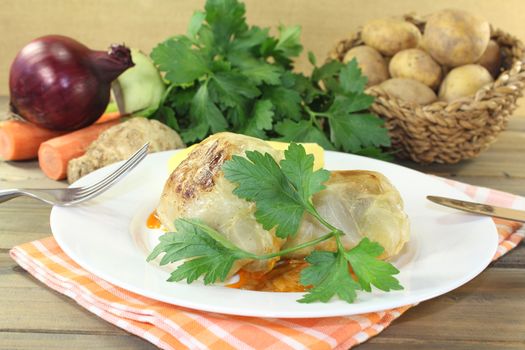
<point x="444" y="132"/>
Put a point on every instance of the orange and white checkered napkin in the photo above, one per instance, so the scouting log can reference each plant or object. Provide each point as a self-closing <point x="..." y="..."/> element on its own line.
<point x="172" y="327"/>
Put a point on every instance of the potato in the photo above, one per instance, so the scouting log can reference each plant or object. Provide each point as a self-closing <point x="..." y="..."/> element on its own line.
<point x="464" y="81"/>
<point x="416" y="64"/>
<point x="456" y="37"/>
<point x="491" y="58"/>
<point x="409" y="90"/>
<point x="389" y="36"/>
<point x="372" y="64"/>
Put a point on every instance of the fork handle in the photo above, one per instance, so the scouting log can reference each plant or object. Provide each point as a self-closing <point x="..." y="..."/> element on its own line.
<point x="6" y="195"/>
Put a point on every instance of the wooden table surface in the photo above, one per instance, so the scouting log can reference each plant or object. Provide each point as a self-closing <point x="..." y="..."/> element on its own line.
<point x="486" y="313"/>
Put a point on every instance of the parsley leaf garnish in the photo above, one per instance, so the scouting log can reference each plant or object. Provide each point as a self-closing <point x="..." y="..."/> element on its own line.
<point x="209" y="254"/>
<point x="328" y="275"/>
<point x="370" y="270"/>
<point x="298" y="166"/>
<point x="282" y="194"/>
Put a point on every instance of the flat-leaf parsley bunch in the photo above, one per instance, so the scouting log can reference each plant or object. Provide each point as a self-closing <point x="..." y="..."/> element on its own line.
<point x="282" y="194"/>
<point x="226" y="75"/>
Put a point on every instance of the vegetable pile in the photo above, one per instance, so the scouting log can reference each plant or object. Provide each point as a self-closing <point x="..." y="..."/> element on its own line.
<point x="226" y="75"/>
<point x="62" y="90"/>
<point x="282" y="194"/>
<point x="452" y="56"/>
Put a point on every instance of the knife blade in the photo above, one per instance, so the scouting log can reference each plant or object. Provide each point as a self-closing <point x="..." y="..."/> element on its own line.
<point x="478" y="208"/>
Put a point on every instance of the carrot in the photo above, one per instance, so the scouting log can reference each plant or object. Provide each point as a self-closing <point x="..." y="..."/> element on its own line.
<point x="54" y="154"/>
<point x="19" y="140"/>
<point x="108" y="116"/>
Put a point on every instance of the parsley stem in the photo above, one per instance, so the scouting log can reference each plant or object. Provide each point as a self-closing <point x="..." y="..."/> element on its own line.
<point x="340" y="246"/>
<point x="311" y="209"/>
<point x="291" y="249"/>
<point x="313" y="116"/>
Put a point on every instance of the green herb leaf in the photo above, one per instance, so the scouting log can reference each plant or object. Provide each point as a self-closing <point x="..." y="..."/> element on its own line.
<point x="370" y="270"/>
<point x="375" y="152"/>
<point x="226" y="19"/>
<point x="298" y="167"/>
<point x="350" y="103"/>
<point x="289" y="41"/>
<point x="167" y="116"/>
<point x="238" y="116"/>
<point x="182" y="64"/>
<point x="205" y="42"/>
<point x="259" y="71"/>
<point x="180" y="100"/>
<point x="195" y="25"/>
<point x="287" y="102"/>
<point x="279" y="199"/>
<point x="305" y="88"/>
<point x="212" y="256"/>
<point x="329" y="276"/>
<point x="328" y="70"/>
<point x="353" y="131"/>
<point x="302" y="131"/>
<point x="205" y="114"/>
<point x="249" y="39"/>
<point x="351" y="79"/>
<point x="230" y="88"/>
<point x="261" y="119"/>
<point x="311" y="58"/>
<point x="260" y="180"/>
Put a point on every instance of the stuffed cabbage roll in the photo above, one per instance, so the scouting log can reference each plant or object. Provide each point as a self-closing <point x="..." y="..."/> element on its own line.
<point x="197" y="189"/>
<point x="361" y="204"/>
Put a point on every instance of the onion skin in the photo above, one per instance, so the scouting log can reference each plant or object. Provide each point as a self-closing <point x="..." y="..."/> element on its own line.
<point x="57" y="83"/>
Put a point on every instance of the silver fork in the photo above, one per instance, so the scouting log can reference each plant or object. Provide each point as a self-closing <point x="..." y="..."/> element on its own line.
<point x="74" y="195"/>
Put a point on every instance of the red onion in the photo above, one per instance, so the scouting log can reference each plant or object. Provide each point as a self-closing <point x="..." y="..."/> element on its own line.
<point x="60" y="84"/>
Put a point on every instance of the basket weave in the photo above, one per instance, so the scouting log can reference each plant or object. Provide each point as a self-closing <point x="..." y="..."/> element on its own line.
<point x="444" y="132"/>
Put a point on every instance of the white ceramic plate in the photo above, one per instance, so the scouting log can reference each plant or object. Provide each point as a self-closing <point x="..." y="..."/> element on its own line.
<point x="108" y="237"/>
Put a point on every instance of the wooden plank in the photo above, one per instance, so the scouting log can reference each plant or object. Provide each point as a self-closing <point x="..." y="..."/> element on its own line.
<point x="62" y="341"/>
<point x="489" y="310"/>
<point x="23" y="220"/>
<point x="381" y="342"/>
<point x="511" y="185"/>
